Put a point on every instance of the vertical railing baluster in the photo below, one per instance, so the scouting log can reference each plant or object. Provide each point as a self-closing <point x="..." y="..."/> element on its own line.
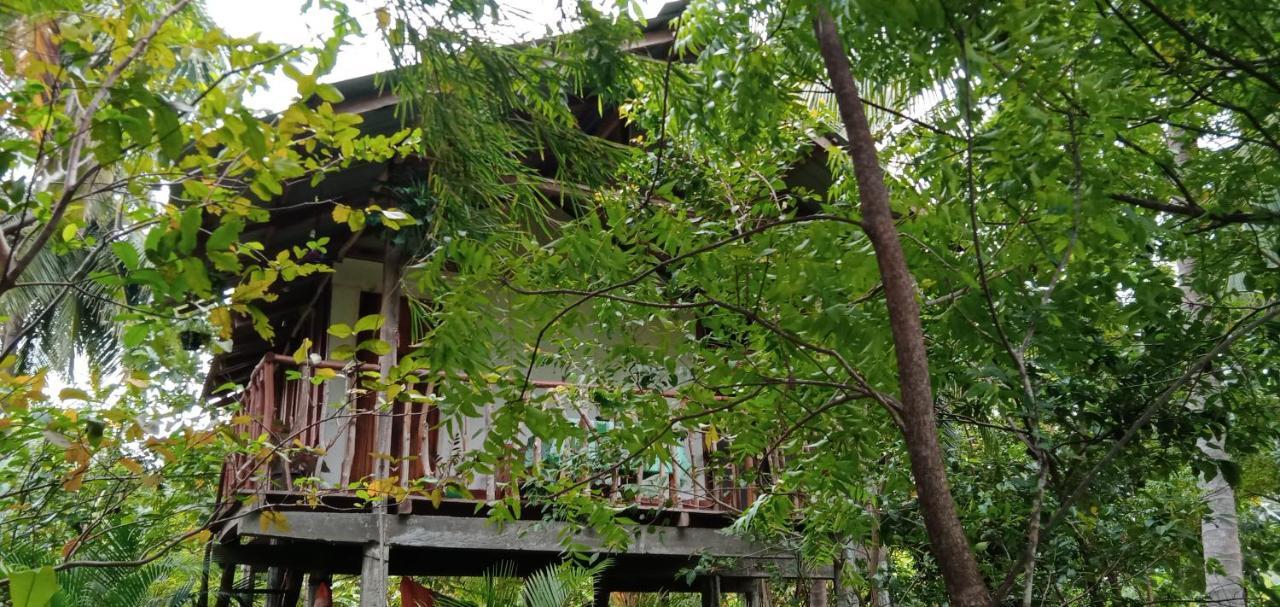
<point x="491" y="486"/>
<point x="350" y="418"/>
<point x="428" y="464"/>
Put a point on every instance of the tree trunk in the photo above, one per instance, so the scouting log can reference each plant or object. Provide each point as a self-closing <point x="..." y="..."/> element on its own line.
<point x="389" y="309"/>
<point x="1220" y="535"/>
<point x="373" y="573"/>
<point x="1220" y="530"/>
<point x="947" y="540"/>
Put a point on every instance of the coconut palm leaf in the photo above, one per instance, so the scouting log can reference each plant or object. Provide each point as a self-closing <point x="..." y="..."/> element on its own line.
<point x="565" y="585"/>
<point x="108" y="586"/>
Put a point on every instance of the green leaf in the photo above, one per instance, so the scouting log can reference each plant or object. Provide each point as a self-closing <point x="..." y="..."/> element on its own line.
<point x="252" y="137"/>
<point x="189" y="226"/>
<point x="1230" y="471"/>
<point x="224" y="261"/>
<point x="33" y="588"/>
<point x="196" y="277"/>
<point x="303" y="351"/>
<point x="328" y="92"/>
<point x="135" y="335"/>
<point x="137" y="123"/>
<point x="126" y="253"/>
<point x="169" y="131"/>
<point x="371" y="322"/>
<point x="107" y="138"/>
<point x="224" y="235"/>
<point x="343" y="352"/>
<point x="73" y="393"/>
<point x="376" y="346"/>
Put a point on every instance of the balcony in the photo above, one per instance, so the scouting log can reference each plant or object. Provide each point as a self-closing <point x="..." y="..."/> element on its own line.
<point x="314" y="453"/>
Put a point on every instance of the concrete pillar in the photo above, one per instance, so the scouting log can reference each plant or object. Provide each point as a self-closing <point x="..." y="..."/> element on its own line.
<point x="373" y="576"/>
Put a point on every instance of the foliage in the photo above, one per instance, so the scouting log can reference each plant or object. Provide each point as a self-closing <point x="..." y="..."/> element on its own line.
<point x="129" y="170"/>
<point x="1086" y="194"/>
<point x="1034" y="167"/>
<point x="562" y="585"/>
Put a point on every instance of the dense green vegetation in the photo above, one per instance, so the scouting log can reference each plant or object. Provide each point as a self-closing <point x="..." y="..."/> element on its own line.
<point x="1019" y="347"/>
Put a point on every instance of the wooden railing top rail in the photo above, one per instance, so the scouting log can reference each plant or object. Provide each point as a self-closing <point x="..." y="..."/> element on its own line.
<point x="536" y="383"/>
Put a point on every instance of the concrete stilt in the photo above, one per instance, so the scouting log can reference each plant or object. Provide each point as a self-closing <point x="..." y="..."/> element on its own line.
<point x="373" y="576"/>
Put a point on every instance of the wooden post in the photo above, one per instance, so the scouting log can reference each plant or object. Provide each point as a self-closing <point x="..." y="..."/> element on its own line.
<point x="275" y="583"/>
<point x="601" y="597"/>
<point x="203" y="599"/>
<point x="711" y="594"/>
<point x="373" y="575"/>
<point x="758" y="594"/>
<point x="226" y="585"/>
<point x="818" y="593"/>
<point x="292" y="587"/>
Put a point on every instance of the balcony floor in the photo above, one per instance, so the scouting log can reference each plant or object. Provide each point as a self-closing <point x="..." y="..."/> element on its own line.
<point x="438" y="544"/>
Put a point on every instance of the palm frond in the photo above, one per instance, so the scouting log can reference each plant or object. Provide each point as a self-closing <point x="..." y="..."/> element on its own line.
<point x="565" y="585"/>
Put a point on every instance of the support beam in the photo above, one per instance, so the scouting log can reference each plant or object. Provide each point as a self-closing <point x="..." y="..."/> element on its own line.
<point x="758" y="594"/>
<point x="473" y="533"/>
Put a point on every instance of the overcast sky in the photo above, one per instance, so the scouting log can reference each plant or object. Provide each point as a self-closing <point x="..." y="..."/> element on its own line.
<point x="282" y="21"/>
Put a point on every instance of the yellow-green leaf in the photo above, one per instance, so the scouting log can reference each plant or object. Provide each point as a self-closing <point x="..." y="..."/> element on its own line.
<point x="33" y="588"/>
<point x="301" y="353"/>
<point x="371" y="322"/>
<point x="73" y="393"/>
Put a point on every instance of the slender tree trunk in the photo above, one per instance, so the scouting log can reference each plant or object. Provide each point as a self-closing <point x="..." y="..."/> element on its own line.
<point x="1220" y="530"/>
<point x="373" y="576"/>
<point x="1220" y="535"/>
<point x="947" y="540"/>
<point x="389" y="309"/>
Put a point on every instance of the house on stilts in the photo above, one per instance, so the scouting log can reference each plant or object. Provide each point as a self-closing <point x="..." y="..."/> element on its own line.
<point x="286" y="526"/>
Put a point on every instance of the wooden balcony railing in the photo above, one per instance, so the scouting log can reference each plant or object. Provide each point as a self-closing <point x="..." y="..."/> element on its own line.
<point x="306" y="437"/>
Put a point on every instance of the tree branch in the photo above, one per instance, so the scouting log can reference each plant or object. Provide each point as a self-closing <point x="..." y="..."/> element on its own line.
<point x="1192" y="372"/>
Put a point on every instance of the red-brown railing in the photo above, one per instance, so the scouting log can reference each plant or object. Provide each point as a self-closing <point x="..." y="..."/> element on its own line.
<point x="281" y="404"/>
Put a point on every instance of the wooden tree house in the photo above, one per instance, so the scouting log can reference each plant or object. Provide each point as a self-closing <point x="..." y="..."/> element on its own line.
<point x="274" y="530"/>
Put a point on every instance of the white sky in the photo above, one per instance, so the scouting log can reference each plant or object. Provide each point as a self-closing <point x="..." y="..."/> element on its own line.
<point x="282" y="21"/>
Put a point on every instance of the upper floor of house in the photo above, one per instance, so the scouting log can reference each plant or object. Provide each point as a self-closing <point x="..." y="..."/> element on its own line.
<point x="321" y="438"/>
